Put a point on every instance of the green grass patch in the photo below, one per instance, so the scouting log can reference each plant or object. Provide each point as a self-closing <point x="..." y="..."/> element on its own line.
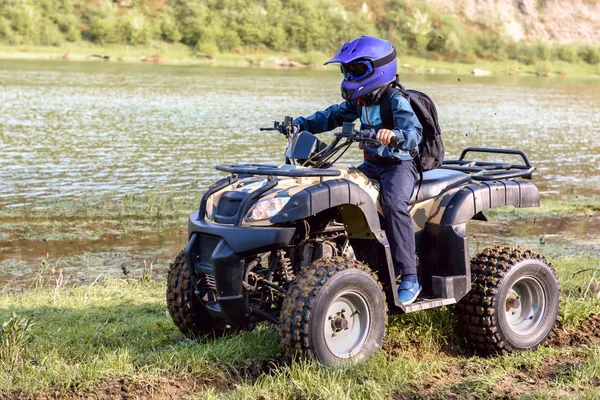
<point x="177" y="53"/>
<point x="571" y="205"/>
<point x="149" y="204"/>
<point x="82" y="337"/>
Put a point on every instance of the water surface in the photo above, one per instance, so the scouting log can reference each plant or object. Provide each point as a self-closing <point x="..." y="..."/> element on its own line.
<point x="68" y="130"/>
<point x="75" y="132"/>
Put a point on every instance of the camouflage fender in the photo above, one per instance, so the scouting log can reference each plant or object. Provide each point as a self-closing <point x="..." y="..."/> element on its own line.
<point x="476" y="197"/>
<point x="358" y="209"/>
<point x="443" y="242"/>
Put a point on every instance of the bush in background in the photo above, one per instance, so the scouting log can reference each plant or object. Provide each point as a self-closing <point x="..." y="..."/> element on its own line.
<point x="320" y="26"/>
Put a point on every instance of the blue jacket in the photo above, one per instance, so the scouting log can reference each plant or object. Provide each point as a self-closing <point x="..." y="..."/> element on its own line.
<point x="406" y="124"/>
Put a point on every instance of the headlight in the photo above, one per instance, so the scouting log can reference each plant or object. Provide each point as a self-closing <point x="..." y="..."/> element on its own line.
<point x="267" y="208"/>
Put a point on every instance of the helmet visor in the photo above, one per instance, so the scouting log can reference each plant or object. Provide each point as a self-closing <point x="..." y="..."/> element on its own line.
<point x="357" y="70"/>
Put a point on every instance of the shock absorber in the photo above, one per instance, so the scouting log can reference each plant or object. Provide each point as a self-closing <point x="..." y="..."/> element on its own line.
<point x="285" y="267"/>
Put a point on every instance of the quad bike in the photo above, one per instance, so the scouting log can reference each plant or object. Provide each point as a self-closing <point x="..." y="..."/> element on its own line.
<point x="302" y="245"/>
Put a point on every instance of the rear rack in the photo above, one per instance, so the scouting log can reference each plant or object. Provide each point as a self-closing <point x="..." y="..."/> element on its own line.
<point x="271" y="170"/>
<point x="490" y="171"/>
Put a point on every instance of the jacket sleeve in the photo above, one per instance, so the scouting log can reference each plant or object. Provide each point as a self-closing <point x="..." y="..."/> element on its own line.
<point x="328" y="119"/>
<point x="406" y="124"/>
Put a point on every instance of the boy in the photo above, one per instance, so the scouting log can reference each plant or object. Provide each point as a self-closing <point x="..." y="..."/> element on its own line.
<point x="369" y="66"/>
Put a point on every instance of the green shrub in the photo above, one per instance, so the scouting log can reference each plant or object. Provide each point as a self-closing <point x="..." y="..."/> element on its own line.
<point x="491" y="45"/>
<point x="167" y="24"/>
<point x="13" y="335"/>
<point x="418" y="30"/>
<point x="49" y="34"/>
<point x="103" y="31"/>
<point x="134" y="28"/>
<point x="522" y="52"/>
<point x="590" y="55"/>
<point x="449" y="38"/>
<point x="69" y="25"/>
<point x="5" y="29"/>
<point x="544" y="51"/>
<point x="101" y="21"/>
<point x="568" y="53"/>
<point x="207" y="49"/>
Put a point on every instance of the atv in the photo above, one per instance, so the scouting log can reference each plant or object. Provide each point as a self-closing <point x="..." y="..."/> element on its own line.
<point x="303" y="246"/>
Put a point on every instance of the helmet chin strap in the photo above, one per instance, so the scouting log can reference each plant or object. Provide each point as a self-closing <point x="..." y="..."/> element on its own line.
<point x="374" y="96"/>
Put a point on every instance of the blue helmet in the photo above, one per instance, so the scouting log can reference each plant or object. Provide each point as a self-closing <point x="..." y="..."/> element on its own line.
<point x="367" y="63"/>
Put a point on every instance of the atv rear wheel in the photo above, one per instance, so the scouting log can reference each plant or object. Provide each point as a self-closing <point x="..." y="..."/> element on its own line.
<point x="185" y="308"/>
<point x="335" y="312"/>
<point x="514" y="301"/>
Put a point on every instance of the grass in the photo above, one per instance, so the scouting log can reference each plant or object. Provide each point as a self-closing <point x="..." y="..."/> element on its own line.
<point x="556" y="206"/>
<point x="110" y="215"/>
<point x="13" y="336"/>
<point x="498" y="67"/>
<point x="177" y="53"/>
<point x="86" y="338"/>
<point x="150" y="204"/>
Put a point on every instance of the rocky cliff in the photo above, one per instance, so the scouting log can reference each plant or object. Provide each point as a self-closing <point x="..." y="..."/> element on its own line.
<point x="562" y="21"/>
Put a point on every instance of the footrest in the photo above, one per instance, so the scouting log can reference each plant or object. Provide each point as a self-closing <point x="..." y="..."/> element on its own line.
<point x="423" y="303"/>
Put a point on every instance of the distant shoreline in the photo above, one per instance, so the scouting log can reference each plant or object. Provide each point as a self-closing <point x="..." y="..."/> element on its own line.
<point x="181" y="55"/>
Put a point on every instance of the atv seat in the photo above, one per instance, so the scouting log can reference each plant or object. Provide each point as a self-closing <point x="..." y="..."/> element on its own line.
<point x="435" y="181"/>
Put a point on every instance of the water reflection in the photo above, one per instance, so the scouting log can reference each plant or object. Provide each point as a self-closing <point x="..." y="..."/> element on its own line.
<point x="70" y="129"/>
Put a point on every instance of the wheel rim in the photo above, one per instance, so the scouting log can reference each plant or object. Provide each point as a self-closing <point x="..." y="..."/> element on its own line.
<point x="347" y="324"/>
<point x="525" y="305"/>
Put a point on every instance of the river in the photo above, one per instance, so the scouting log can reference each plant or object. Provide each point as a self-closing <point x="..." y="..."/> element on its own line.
<point x="69" y="129"/>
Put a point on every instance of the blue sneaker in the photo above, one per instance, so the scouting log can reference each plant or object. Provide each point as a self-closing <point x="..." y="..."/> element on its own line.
<point x="408" y="292"/>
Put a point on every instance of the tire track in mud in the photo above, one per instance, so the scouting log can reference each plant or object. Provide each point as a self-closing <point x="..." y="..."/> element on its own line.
<point x="460" y="370"/>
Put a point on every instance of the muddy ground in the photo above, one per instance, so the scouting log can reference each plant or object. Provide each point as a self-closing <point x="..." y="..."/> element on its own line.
<point x="443" y="385"/>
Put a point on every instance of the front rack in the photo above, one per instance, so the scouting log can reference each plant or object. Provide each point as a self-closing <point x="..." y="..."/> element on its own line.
<point x="490" y="171"/>
<point x="271" y="170"/>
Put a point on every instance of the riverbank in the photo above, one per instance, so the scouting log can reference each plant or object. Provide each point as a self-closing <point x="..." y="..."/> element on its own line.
<point x="135" y="234"/>
<point x="179" y="54"/>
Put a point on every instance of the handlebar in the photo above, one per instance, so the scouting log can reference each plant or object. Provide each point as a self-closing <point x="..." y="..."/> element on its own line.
<point x="286" y="127"/>
<point x="364" y="136"/>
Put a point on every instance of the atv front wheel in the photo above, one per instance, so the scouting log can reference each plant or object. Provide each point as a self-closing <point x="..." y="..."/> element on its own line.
<point x="514" y="301"/>
<point x="335" y="312"/>
<point x="185" y="308"/>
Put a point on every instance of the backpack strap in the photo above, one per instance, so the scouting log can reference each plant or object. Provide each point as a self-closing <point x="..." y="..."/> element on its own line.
<point x="388" y="122"/>
<point x="385" y="106"/>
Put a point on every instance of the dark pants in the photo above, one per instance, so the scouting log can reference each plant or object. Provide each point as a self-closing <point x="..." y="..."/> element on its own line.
<point x="397" y="184"/>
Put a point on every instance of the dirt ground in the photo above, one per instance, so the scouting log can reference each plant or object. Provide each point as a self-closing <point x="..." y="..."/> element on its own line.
<point x="445" y="384"/>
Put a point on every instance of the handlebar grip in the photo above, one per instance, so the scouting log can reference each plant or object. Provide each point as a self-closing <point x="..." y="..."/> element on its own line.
<point x="396" y="142"/>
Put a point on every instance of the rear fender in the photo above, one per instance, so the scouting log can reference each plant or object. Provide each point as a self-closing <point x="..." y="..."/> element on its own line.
<point x="442" y="244"/>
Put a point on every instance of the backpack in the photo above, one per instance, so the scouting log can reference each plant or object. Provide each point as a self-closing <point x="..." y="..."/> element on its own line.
<point x="431" y="148"/>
